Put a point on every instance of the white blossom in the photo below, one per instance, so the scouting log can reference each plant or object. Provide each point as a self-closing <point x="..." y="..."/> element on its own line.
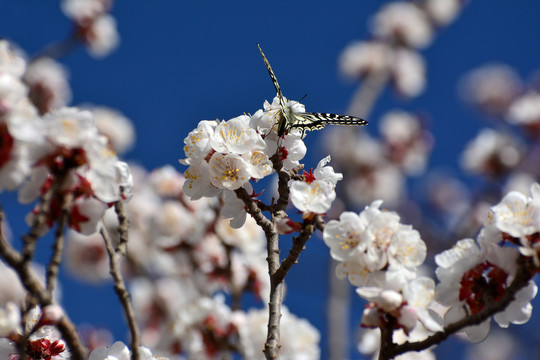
<point x="361" y="58"/>
<point x="259" y="165"/>
<point x="70" y="128"/>
<point x="344" y="236"/>
<point x="316" y="193"/>
<point x="405" y="22"/>
<point x="103" y="36"/>
<point x="197" y="182"/>
<point x="408" y="306"/>
<point x="409" y="72"/>
<point x="295" y="151"/>
<point x="197" y="143"/>
<point x="48" y="83"/>
<point x="463" y="266"/>
<point x="228" y="171"/>
<point x="491" y="87"/>
<point x="166" y="181"/>
<point x="525" y="110"/>
<point x="11" y="60"/>
<point x="235" y="136"/>
<point x="491" y="152"/>
<point x="114" y="125"/>
<point x="12" y="90"/>
<point x="372" y="241"/>
<point x="84" y="10"/>
<point x="10" y="319"/>
<point x="407" y="143"/>
<point x="250" y="238"/>
<point x="517" y="216"/>
<point x="443" y="11"/>
<point x="234" y="208"/>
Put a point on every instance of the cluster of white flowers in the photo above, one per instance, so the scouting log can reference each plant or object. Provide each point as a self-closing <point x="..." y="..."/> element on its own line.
<point x="510" y="157"/>
<point x="470" y="270"/>
<point x="192" y="262"/>
<point x="381" y="256"/>
<point x="491" y="87"/>
<point x="403" y="22"/>
<point x="48" y="86"/>
<point x="61" y="146"/>
<point x="405" y="67"/>
<point x="400" y="28"/>
<point x="498" y="90"/>
<point x="95" y="27"/>
<point x="224" y="156"/>
<point x="492" y="153"/>
<point x="525" y="110"/>
<point x="413" y="23"/>
<point x="215" y="322"/>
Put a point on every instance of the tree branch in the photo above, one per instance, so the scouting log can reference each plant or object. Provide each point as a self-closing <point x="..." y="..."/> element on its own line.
<point x="123" y="227"/>
<point x="298" y="246"/>
<point x="525" y="272"/>
<point x="121" y="291"/>
<point x="40" y="218"/>
<point x="56" y="258"/>
<point x="271" y="346"/>
<point x="34" y="287"/>
<point x="276" y="271"/>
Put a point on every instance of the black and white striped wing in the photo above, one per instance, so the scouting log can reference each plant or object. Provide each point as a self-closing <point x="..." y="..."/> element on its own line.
<point x="316" y="121"/>
<point x="273" y="77"/>
<point x="284" y="119"/>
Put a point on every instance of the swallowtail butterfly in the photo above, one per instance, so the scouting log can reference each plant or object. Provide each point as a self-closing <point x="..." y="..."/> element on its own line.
<point x="305" y="121"/>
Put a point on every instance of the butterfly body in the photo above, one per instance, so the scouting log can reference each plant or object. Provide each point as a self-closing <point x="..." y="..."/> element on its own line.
<point x="304" y="121"/>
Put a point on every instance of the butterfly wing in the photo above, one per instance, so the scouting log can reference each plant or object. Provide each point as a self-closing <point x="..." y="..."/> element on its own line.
<point x="315" y="121"/>
<point x="286" y="113"/>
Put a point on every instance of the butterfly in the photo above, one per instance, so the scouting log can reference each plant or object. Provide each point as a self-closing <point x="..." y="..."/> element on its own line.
<point x="304" y="121"/>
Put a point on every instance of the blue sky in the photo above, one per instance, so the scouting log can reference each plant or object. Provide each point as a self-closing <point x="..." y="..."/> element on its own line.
<point x="180" y="62"/>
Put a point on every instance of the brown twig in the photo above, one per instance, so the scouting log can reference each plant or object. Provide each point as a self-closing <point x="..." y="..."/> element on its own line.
<point x="121" y="291"/>
<point x="271" y="346"/>
<point x="123" y="227"/>
<point x="56" y="258"/>
<point x="58" y="49"/>
<point x="276" y="271"/>
<point x="298" y="246"/>
<point x="39" y="220"/>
